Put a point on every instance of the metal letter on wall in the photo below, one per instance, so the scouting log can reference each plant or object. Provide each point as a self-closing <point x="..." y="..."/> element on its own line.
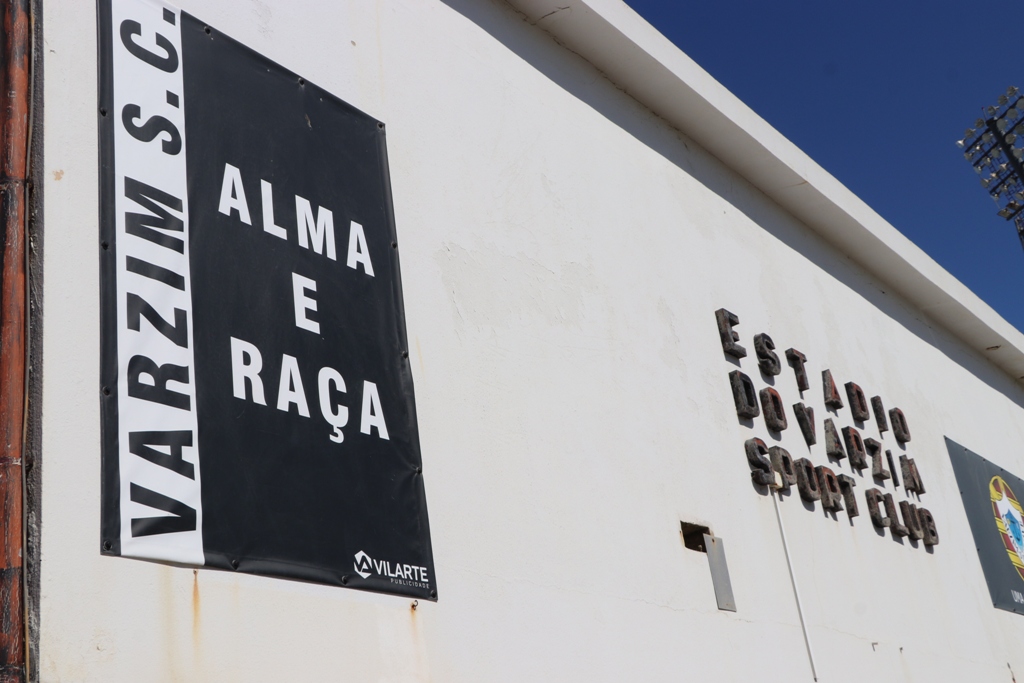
<point x="990" y="497"/>
<point x="257" y="400"/>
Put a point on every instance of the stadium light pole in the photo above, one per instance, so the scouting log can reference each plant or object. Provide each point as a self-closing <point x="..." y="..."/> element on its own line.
<point x="995" y="147"/>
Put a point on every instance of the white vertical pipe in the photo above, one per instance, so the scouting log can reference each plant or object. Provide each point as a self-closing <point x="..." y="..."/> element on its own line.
<point x="792" y="578"/>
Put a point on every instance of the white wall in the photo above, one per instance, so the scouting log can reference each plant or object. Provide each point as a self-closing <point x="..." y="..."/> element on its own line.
<point x="563" y="252"/>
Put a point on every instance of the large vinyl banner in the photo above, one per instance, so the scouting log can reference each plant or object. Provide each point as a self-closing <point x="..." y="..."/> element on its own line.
<point x="990" y="497"/>
<point x="257" y="399"/>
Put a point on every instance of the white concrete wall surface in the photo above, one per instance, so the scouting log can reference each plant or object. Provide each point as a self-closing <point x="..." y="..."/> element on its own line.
<point x="563" y="250"/>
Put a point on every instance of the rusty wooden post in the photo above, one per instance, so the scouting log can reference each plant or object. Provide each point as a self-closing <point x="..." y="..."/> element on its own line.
<point x="15" y="48"/>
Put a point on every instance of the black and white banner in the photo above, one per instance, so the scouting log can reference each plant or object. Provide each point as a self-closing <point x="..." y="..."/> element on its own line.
<point x="994" y="511"/>
<point x="257" y="400"/>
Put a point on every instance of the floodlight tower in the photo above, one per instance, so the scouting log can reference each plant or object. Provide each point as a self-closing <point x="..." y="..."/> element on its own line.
<point x="995" y="147"/>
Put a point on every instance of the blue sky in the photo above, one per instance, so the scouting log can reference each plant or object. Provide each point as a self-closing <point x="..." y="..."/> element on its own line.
<point x="877" y="93"/>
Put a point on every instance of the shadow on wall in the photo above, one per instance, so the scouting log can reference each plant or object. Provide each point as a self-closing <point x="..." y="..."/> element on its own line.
<point x="576" y="76"/>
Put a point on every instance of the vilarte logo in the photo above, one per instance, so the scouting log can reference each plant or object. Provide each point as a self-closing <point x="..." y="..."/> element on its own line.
<point x="404" y="574"/>
<point x="363" y="565"/>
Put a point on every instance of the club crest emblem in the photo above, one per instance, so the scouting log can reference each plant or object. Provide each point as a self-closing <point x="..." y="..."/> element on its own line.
<point x="1009" y="520"/>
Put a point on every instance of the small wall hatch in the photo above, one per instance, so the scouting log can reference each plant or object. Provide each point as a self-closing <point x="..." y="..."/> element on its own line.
<point x="693" y="536"/>
<point x="700" y="538"/>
